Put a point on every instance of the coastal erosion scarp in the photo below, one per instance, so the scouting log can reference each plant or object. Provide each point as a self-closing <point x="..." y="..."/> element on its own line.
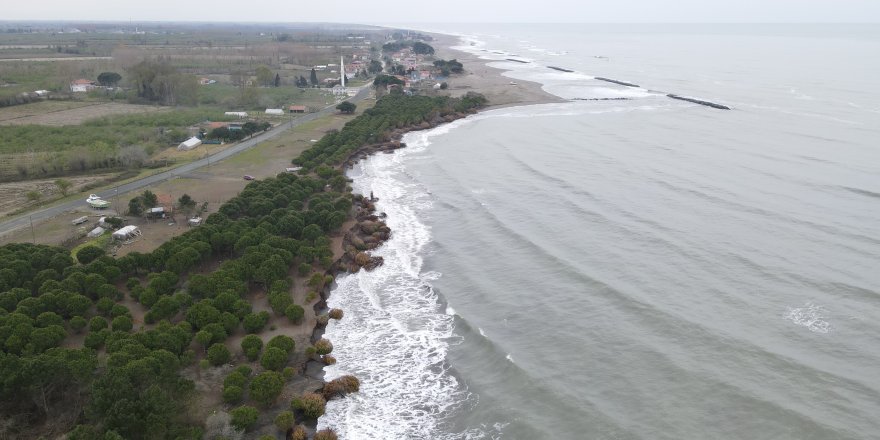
<point x="368" y="232"/>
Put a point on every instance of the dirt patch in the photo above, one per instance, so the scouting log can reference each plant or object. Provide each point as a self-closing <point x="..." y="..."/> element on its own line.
<point x="64" y="113"/>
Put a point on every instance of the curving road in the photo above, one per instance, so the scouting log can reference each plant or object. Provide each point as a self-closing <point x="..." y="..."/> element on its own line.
<point x="110" y="194"/>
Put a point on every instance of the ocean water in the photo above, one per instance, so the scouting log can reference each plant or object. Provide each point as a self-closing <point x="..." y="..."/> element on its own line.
<point x="631" y="269"/>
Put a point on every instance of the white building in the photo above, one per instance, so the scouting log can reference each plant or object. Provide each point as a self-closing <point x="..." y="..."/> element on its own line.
<point x="275" y="111"/>
<point x="189" y="144"/>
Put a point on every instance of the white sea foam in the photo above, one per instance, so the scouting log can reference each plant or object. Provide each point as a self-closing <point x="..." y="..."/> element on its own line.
<point x="811" y="316"/>
<point x="395" y="334"/>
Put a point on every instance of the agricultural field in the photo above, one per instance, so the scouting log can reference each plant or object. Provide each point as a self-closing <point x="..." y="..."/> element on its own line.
<point x="59" y="113"/>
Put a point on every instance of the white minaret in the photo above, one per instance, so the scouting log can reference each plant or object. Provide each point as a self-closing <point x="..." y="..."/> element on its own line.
<point x="342" y="71"/>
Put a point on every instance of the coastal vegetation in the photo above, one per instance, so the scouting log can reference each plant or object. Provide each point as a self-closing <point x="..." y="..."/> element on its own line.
<point x="103" y="347"/>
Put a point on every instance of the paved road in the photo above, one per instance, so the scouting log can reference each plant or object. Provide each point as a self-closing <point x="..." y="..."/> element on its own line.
<point x="110" y="194"/>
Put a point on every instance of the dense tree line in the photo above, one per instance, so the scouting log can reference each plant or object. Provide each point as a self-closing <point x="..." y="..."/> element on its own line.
<point x="158" y="81"/>
<point x="417" y="47"/>
<point x="247" y="129"/>
<point x="446" y="67"/>
<point x="391" y="112"/>
<point x="124" y="380"/>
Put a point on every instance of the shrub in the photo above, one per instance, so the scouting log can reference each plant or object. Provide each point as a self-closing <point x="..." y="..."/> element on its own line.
<point x="188" y="357"/>
<point x="310" y="404"/>
<point x="323" y="346"/>
<point x="218" y="354"/>
<point x="322" y="320"/>
<point x="97" y="324"/>
<point x="244" y="370"/>
<point x="284" y="421"/>
<point x="283" y="342"/>
<point x="95" y="340"/>
<point x="204" y="338"/>
<point x="332" y="389"/>
<point x="273" y="358"/>
<point x="266" y="387"/>
<point x="254" y="322"/>
<point x="304" y="269"/>
<point x="351" y="383"/>
<point x="104" y="305"/>
<point x="77" y="324"/>
<point x="204" y="364"/>
<point x="88" y="254"/>
<point x="311" y="296"/>
<point x="325" y="434"/>
<point x="341" y="386"/>
<point x="251" y="346"/>
<point x="335" y="314"/>
<point x="329" y="360"/>
<point x="119" y="310"/>
<point x="299" y="433"/>
<point x="232" y="394"/>
<point x="288" y="373"/>
<point x="294" y="313"/>
<point x="122" y="323"/>
<point x="279" y="301"/>
<point x="310" y="351"/>
<point x="244" y="417"/>
<point x="235" y="379"/>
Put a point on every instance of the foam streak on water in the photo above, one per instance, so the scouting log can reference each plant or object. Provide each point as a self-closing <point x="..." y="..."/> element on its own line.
<point x="395" y="334"/>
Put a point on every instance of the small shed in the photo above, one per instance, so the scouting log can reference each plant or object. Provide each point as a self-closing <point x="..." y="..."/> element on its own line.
<point x="126" y="233"/>
<point x="80" y="220"/>
<point x="297" y="109"/>
<point x="275" y="111"/>
<point x="97" y="232"/>
<point x="195" y="221"/>
<point x="189" y="144"/>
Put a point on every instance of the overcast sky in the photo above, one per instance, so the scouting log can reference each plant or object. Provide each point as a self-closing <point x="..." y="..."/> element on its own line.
<point x="401" y="11"/>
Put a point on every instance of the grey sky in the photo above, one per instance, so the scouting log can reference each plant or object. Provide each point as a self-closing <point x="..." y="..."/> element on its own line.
<point x="397" y="11"/>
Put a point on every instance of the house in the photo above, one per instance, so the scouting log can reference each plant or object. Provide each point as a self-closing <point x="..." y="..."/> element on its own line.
<point x="165" y="202"/>
<point x="82" y="85"/>
<point x="163" y="208"/>
<point x="206" y="81"/>
<point x="240" y="115"/>
<point x="275" y="111"/>
<point x="297" y="109"/>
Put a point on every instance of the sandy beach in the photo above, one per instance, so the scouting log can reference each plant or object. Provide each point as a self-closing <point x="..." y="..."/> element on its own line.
<point x="489" y="81"/>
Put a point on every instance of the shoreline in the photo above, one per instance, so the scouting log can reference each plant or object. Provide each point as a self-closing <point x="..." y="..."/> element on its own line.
<point x="487" y="80"/>
<point x="478" y="77"/>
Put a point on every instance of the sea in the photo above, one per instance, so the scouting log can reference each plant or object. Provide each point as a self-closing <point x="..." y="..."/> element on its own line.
<point x="639" y="268"/>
